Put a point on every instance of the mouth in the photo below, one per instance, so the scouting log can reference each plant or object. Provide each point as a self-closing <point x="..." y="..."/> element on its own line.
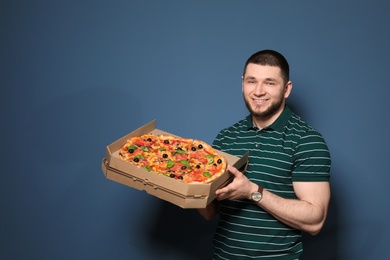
<point x="259" y="101"/>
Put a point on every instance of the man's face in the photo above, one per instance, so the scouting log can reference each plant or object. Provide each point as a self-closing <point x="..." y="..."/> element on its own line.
<point x="264" y="92"/>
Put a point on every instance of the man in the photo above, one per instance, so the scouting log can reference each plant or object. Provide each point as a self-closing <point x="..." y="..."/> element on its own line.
<point x="285" y="188"/>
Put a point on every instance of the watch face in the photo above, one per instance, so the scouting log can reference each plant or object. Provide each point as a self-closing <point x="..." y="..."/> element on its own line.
<point x="256" y="196"/>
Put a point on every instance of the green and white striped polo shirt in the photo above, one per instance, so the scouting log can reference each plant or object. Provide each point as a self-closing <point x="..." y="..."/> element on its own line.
<point x="288" y="150"/>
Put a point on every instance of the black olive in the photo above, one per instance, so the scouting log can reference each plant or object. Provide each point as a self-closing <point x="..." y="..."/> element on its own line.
<point x="136" y="159"/>
<point x="200" y="146"/>
<point x="219" y="161"/>
<point x="149" y="139"/>
<point x="193" y="149"/>
<point x="172" y="175"/>
<point x="131" y="151"/>
<point x="214" y="164"/>
<point x="197" y="166"/>
<point x="180" y="177"/>
<point x="165" y="155"/>
<point x="184" y="167"/>
<point x="166" y="141"/>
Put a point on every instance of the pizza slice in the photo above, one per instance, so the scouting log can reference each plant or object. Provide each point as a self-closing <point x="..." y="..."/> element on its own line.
<point x="140" y="150"/>
<point x="208" y="164"/>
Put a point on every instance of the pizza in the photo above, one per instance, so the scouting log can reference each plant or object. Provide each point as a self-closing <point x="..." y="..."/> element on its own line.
<point x="184" y="159"/>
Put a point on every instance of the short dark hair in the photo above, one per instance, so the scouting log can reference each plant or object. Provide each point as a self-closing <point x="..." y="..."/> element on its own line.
<point x="271" y="58"/>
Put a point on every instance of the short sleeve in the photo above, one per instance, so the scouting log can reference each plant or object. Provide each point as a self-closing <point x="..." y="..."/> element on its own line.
<point x="312" y="159"/>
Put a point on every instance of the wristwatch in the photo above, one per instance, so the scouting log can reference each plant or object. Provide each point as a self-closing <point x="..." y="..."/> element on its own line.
<point x="257" y="195"/>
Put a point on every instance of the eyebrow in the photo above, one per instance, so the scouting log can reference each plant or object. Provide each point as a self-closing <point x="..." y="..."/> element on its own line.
<point x="266" y="79"/>
<point x="271" y="79"/>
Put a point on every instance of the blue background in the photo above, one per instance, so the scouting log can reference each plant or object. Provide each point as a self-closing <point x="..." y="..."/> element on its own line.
<point x="78" y="75"/>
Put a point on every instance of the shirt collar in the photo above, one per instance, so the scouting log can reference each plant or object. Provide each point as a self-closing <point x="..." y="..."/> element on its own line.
<point x="279" y="123"/>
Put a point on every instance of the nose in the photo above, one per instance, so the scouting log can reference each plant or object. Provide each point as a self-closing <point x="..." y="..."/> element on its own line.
<point x="259" y="90"/>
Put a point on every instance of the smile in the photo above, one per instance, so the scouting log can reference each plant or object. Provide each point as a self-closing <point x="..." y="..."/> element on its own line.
<point x="260" y="100"/>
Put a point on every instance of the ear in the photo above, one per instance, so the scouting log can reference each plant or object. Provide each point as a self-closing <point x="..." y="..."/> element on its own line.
<point x="287" y="89"/>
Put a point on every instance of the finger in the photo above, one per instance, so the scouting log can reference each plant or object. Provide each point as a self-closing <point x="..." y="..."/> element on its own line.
<point x="221" y="196"/>
<point x="233" y="170"/>
<point x="225" y="196"/>
<point x="222" y="190"/>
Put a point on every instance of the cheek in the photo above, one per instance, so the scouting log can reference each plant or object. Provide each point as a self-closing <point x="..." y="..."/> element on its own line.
<point x="246" y="90"/>
<point x="277" y="93"/>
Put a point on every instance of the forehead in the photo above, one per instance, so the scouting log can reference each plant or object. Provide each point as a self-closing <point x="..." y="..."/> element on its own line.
<point x="262" y="71"/>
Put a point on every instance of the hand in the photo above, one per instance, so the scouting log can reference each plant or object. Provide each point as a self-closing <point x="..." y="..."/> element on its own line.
<point x="240" y="188"/>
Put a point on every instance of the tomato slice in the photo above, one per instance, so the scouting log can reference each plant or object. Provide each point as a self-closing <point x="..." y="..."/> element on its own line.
<point x="140" y="142"/>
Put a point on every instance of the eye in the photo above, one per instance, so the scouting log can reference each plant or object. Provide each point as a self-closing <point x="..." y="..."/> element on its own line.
<point x="270" y="83"/>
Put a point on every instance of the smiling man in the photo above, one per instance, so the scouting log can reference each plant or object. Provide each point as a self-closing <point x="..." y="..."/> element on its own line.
<point x="285" y="189"/>
<point x="265" y="90"/>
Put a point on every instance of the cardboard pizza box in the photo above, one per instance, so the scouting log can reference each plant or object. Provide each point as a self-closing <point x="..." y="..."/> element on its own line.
<point x="194" y="195"/>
